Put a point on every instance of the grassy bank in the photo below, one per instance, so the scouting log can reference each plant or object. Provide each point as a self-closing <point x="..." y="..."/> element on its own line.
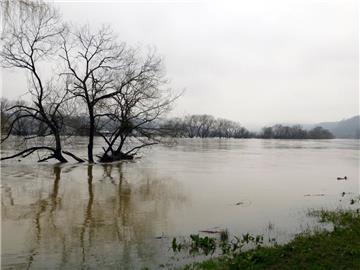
<point x="336" y="249"/>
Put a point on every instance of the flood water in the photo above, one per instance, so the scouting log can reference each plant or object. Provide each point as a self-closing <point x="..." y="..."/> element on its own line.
<point x="124" y="215"/>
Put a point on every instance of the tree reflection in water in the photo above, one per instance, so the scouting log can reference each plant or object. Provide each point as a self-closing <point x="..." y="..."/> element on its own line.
<point x="112" y="222"/>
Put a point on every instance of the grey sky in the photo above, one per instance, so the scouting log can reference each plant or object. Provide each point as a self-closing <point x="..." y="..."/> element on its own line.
<point x="256" y="62"/>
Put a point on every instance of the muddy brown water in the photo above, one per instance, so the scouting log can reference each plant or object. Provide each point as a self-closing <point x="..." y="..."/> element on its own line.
<point x="123" y="215"/>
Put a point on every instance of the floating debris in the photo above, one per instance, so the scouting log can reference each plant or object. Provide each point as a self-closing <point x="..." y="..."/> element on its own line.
<point x="345" y="193"/>
<point x="314" y="195"/>
<point x="162" y="236"/>
<point x="342" y="178"/>
<point x="211" y="231"/>
<point x="355" y="200"/>
<point x="243" y="203"/>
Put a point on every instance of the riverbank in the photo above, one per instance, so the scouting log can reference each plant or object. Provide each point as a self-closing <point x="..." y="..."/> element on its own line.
<point x="335" y="249"/>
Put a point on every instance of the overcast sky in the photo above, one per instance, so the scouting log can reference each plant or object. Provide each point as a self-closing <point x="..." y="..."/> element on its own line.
<point x="256" y="62"/>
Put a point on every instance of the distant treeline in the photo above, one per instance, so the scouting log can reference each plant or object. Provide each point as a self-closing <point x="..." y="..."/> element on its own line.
<point x="190" y="126"/>
<point x="207" y="126"/>
<point x="294" y="132"/>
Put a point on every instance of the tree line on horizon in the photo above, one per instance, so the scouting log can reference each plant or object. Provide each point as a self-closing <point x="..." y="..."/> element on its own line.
<point x="207" y="126"/>
<point x="189" y="126"/>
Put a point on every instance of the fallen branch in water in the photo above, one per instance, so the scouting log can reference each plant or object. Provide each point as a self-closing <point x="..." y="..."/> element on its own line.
<point x="54" y="154"/>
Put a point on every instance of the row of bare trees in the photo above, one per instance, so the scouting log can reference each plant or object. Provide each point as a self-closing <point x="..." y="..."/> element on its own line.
<point x="294" y="132"/>
<point x="205" y="126"/>
<point x="80" y="71"/>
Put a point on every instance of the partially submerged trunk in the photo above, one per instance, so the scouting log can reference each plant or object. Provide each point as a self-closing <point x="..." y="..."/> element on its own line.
<point x="121" y="152"/>
<point x="91" y="134"/>
<point x="58" y="153"/>
<point x="115" y="156"/>
<point x="59" y="156"/>
<point x="90" y="148"/>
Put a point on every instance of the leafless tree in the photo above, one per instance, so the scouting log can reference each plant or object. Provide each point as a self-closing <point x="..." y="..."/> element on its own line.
<point x="294" y="132"/>
<point x="4" y="105"/>
<point x="91" y="58"/>
<point x="174" y="127"/>
<point x="29" y="38"/>
<point x="107" y="75"/>
<point x="204" y="126"/>
<point x="115" y="84"/>
<point x="135" y="109"/>
<point x="199" y="125"/>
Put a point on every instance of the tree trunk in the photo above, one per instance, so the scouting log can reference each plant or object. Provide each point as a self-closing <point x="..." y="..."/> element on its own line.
<point x="91" y="138"/>
<point x="58" y="154"/>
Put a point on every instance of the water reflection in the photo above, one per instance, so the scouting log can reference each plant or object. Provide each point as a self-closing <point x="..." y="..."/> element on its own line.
<point x="111" y="219"/>
<point x="107" y="216"/>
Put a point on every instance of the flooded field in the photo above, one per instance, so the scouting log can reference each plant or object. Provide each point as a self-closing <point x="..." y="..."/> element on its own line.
<point x="124" y="215"/>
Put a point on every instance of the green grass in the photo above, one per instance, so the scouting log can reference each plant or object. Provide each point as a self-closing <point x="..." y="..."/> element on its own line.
<point x="336" y="249"/>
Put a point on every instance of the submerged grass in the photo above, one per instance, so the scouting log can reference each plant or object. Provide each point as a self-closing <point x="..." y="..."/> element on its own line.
<point x="335" y="249"/>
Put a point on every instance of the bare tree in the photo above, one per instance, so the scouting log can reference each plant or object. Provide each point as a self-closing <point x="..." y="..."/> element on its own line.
<point x="174" y="127"/>
<point x="28" y="39"/>
<point x="16" y="8"/>
<point x="135" y="109"/>
<point x="115" y="83"/>
<point x="205" y="126"/>
<point x="91" y="59"/>
<point x="4" y="105"/>
<point x="103" y="74"/>
<point x="295" y="132"/>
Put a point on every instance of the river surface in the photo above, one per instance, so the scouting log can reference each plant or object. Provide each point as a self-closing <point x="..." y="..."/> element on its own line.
<point x="124" y="215"/>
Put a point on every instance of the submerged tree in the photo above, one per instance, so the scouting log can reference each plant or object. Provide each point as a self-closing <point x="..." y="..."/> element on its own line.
<point x="91" y="59"/>
<point x="134" y="110"/>
<point x="109" y="81"/>
<point x="29" y="38"/>
<point x="115" y="85"/>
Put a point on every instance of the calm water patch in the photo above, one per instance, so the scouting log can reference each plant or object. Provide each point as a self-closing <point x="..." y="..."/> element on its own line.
<point x="124" y="215"/>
